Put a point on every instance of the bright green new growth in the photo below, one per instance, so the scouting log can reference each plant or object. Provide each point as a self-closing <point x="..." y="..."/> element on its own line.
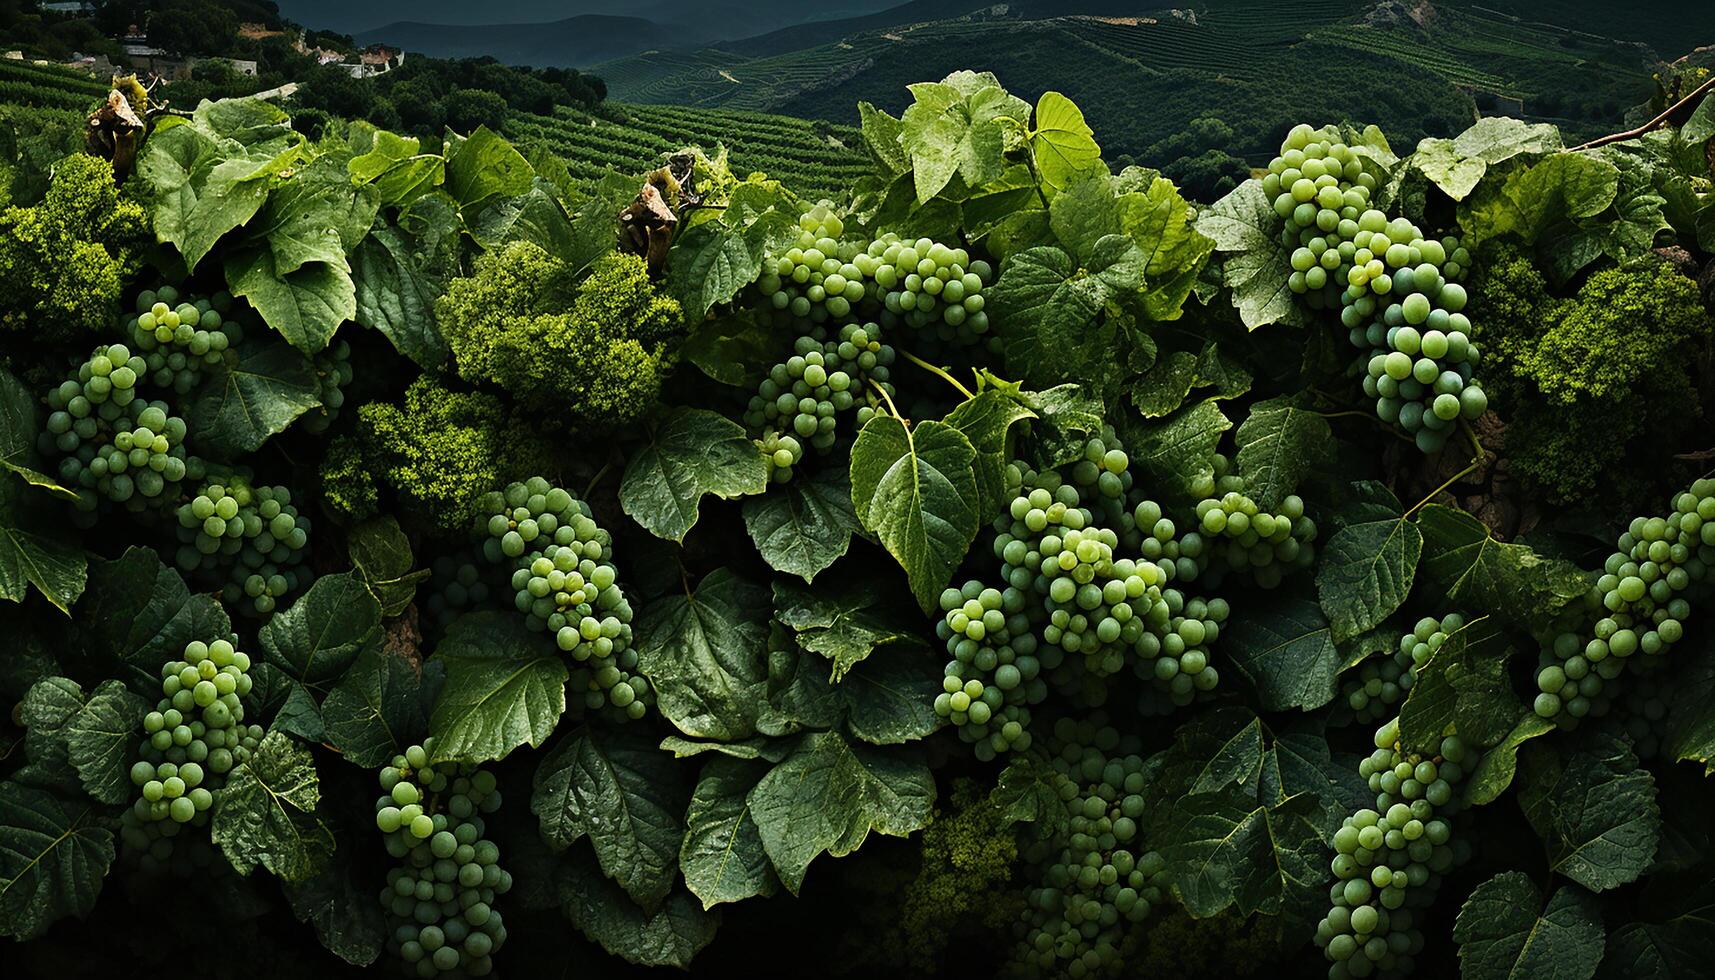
<point x="598" y="350"/>
<point x="1593" y="376"/>
<point x="63" y="262"/>
<point x="438" y="452"/>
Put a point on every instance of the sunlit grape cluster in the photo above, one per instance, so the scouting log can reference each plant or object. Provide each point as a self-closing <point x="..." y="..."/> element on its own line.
<point x="441" y="899"/>
<point x="1095" y="877"/>
<point x="995" y="672"/>
<point x="179" y="339"/>
<point x="195" y="736"/>
<point x="800" y="402"/>
<point x="1638" y="606"/>
<point x="1388" y="860"/>
<point x="113" y="443"/>
<point x="1396" y="289"/>
<point x="564" y="582"/>
<point x="922" y="284"/>
<point x="252" y="539"/>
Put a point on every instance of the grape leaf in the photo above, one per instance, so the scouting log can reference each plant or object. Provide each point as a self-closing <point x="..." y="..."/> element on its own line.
<point x="267" y="813"/>
<point x="1286" y="650"/>
<point x="987" y="421"/>
<point x="881" y="136"/>
<point x="57" y="569"/>
<point x="1049" y="307"/>
<point x="101" y="741"/>
<point x="671" y="935"/>
<point x="1505" y="929"/>
<point x="199" y="186"/>
<point x="1280" y="442"/>
<point x="315" y="216"/>
<point x="716" y="258"/>
<point x="241" y="406"/>
<point x="1245" y="227"/>
<point x="395" y="294"/>
<point x="1368" y="565"/>
<point x="805" y="526"/>
<point x="695" y="452"/>
<point x="1689" y="729"/>
<point x="505" y="687"/>
<point x="1173" y="454"/>
<point x="1533" y="199"/>
<point x="846" y="622"/>
<point x="1594" y="809"/>
<point x="381" y="555"/>
<point x="1458" y="165"/>
<point x="1063" y="144"/>
<point x="18" y="436"/>
<point x="829" y="794"/>
<point x="317" y="637"/>
<point x="916" y="490"/>
<point x="375" y="711"/>
<point x="345" y="915"/>
<point x="1463" y="684"/>
<point x="305" y="306"/>
<point x="704" y="652"/>
<point x="1495" y="769"/>
<point x="955" y="126"/>
<point x="149" y="615"/>
<point x="1677" y="940"/>
<point x="1225" y="849"/>
<point x="626" y="796"/>
<point x="53" y="857"/>
<point x="1466" y="568"/>
<point x="483" y="166"/>
<point x="722" y="856"/>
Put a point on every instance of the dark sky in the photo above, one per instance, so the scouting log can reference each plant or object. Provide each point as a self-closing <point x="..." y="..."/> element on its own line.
<point x="349" y="16"/>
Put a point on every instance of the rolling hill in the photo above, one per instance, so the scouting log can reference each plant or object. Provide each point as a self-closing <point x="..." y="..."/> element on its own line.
<point x="575" y="42"/>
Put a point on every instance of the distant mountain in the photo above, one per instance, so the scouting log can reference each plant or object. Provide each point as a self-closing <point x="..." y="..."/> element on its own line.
<point x="819" y="32"/>
<point x="718" y="18"/>
<point x="576" y="42"/>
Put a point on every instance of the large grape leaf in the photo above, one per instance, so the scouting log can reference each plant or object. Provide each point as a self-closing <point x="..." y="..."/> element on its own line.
<point x="829" y="794"/>
<point x="305" y="306"/>
<point x="149" y="615"/>
<point x="1174" y="453"/>
<point x="1062" y="143"/>
<point x="1286" y="650"/>
<point x="1300" y="761"/>
<point x="1049" y="307"/>
<point x="1506" y="930"/>
<point x="722" y="856"/>
<point x="620" y="791"/>
<point x="199" y="186"/>
<point x="395" y="294"/>
<point x="846" y="622"/>
<point x="704" y="652"/>
<point x="1222" y="748"/>
<point x="317" y="637"/>
<point x="101" y="741"/>
<point x="315" y="216"/>
<point x="955" y="126"/>
<point x="670" y="935"/>
<point x="916" y="490"/>
<point x="55" y="567"/>
<point x="881" y="136"/>
<point x="505" y="687"/>
<point x="267" y="813"/>
<point x="375" y="711"/>
<point x="1254" y="265"/>
<point x="806" y="525"/>
<point x="1369" y="564"/>
<point x="1458" y="165"/>
<point x="716" y="258"/>
<point x="53" y="857"/>
<point x="1495" y="769"/>
<point x="1280" y="443"/>
<point x="381" y="556"/>
<point x="695" y="452"/>
<point x="1594" y="809"/>
<point x="987" y="421"/>
<point x="484" y="166"/>
<point x="243" y="405"/>
<point x="1225" y="849"/>
<point x="1533" y="199"/>
<point x="1466" y="568"/>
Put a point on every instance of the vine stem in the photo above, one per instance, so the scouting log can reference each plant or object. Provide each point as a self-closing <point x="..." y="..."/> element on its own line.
<point x="892" y="409"/>
<point x="599" y="474"/>
<point x="1652" y="124"/>
<point x="1476" y="461"/>
<point x="933" y="369"/>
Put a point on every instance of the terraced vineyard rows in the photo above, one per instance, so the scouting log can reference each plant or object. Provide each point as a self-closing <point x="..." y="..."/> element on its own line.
<point x="46" y="86"/>
<point x="819" y="157"/>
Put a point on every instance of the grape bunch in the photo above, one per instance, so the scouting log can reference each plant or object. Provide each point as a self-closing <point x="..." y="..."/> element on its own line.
<point x="1384" y="682"/>
<point x="457" y="583"/>
<point x="1234" y="535"/>
<point x="1397" y="290"/>
<point x="195" y="736"/>
<point x="111" y="441"/>
<point x="333" y="373"/>
<point x="922" y="284"/>
<point x="180" y="341"/>
<point x="250" y="539"/>
<point x="1096" y="878"/>
<point x="441" y="898"/>
<point x="1388" y="860"/>
<point x="1640" y="604"/>
<point x="799" y="402"/>
<point x="565" y="583"/>
<point x="995" y="673"/>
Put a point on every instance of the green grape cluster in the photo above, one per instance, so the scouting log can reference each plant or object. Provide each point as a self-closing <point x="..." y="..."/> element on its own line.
<point x="1388" y="860"/>
<point x="457" y="583"/>
<point x="441" y="898"/>
<point x="1397" y="290"/>
<point x="251" y="539"/>
<point x="195" y="736"/>
<point x="1640" y="604"/>
<point x="112" y="442"/>
<point x="333" y="373"/>
<point x="922" y="284"/>
<point x="565" y="583"/>
<point x="1096" y="877"/>
<point x="1072" y="610"/>
<point x="800" y="401"/>
<point x="1234" y="535"/>
<point x="1384" y="682"/>
<point x="181" y="340"/>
